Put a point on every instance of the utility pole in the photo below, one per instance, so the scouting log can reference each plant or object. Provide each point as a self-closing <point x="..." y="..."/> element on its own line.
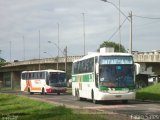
<point x="65" y="53"/>
<point x="58" y="49"/>
<point x="84" y="34"/>
<point x="10" y="45"/>
<point x="118" y="8"/>
<point x="11" y="75"/>
<point x="39" y="51"/>
<point x="130" y="15"/>
<point x="119" y="26"/>
<point x="24" y="49"/>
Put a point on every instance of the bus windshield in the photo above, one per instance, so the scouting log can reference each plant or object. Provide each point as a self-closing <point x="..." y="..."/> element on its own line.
<point x="116" y="71"/>
<point x="56" y="77"/>
<point x="117" y="75"/>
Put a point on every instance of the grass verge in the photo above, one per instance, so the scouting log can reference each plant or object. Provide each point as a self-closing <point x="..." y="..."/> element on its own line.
<point x="22" y="108"/>
<point x="149" y="93"/>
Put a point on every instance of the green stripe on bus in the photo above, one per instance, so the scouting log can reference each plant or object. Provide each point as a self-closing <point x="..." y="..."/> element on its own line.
<point x="121" y="89"/>
<point x="103" y="88"/>
<point x="82" y="78"/>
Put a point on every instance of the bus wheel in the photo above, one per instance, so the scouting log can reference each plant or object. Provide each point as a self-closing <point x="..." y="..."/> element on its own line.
<point x="58" y="93"/>
<point x="93" y="99"/>
<point x="77" y="95"/>
<point x="43" y="92"/>
<point x="29" y="91"/>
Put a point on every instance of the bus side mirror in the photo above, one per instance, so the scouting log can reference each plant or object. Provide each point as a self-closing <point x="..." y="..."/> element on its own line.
<point x="137" y="68"/>
<point x="97" y="68"/>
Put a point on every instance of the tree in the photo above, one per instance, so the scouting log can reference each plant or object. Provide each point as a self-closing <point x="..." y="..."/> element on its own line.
<point x="114" y="45"/>
<point x="2" y="61"/>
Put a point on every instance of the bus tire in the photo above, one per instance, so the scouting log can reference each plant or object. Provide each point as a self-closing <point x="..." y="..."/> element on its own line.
<point x="93" y="99"/>
<point x="58" y="93"/>
<point x="77" y="95"/>
<point x="43" y="91"/>
<point x="29" y="91"/>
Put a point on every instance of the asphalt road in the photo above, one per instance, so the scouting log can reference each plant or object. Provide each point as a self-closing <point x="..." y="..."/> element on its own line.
<point x="133" y="109"/>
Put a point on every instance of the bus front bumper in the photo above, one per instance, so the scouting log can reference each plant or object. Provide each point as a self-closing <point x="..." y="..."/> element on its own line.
<point x="56" y="90"/>
<point x="108" y="96"/>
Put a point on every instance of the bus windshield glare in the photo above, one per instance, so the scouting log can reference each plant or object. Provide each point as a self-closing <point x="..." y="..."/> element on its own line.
<point x="116" y="71"/>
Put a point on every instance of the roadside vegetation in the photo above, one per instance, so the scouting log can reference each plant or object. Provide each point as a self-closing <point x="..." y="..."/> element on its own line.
<point x="22" y="108"/>
<point x="117" y="47"/>
<point x="149" y="93"/>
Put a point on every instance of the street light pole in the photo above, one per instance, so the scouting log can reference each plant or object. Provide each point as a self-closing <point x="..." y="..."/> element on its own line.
<point x="39" y="67"/>
<point x="119" y="27"/>
<point x="10" y="45"/>
<point x="48" y="54"/>
<point x="24" y="52"/>
<point x="84" y="34"/>
<point x="58" y="49"/>
<point x="130" y="20"/>
<point x="116" y="8"/>
<point x="65" y="53"/>
<point x="130" y="15"/>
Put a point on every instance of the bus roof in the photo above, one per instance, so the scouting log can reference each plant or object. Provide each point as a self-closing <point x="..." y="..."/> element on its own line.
<point x="48" y="70"/>
<point x="93" y="54"/>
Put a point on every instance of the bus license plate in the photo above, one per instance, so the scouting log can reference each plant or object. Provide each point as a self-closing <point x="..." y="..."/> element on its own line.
<point x="118" y="96"/>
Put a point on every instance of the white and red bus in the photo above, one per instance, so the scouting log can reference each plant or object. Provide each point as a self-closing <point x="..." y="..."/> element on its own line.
<point x="44" y="81"/>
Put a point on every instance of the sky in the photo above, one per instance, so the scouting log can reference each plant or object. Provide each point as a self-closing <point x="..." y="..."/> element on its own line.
<point x="26" y="26"/>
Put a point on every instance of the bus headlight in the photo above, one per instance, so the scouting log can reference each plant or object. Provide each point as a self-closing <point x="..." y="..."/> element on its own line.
<point x="132" y="90"/>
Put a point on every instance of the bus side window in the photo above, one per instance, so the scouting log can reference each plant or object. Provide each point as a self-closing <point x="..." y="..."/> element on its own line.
<point x="47" y="78"/>
<point x="43" y="75"/>
<point x="32" y="75"/>
<point x="29" y="75"/>
<point x="96" y="59"/>
<point x="40" y="75"/>
<point x="35" y="75"/>
<point x="96" y="76"/>
<point x="96" y="80"/>
<point x="24" y="76"/>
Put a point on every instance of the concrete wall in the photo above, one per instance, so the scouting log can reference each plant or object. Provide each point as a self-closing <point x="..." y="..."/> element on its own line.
<point x="16" y="79"/>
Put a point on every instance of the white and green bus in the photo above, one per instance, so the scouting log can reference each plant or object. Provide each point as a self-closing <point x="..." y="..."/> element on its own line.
<point x="104" y="76"/>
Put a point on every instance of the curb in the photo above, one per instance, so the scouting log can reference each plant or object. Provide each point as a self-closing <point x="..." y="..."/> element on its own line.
<point x="151" y="101"/>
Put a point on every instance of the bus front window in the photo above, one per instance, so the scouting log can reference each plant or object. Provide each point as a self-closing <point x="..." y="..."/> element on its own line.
<point x="116" y="75"/>
<point x="56" y="78"/>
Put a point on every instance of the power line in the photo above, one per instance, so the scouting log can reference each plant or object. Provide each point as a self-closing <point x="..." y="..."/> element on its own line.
<point x="147" y="24"/>
<point x="146" y="17"/>
<point x="117" y="29"/>
<point x="117" y="9"/>
<point x="149" y="18"/>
